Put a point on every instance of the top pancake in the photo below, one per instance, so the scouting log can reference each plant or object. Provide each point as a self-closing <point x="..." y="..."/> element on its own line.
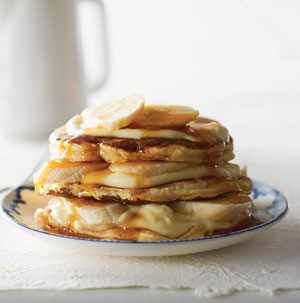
<point x="210" y="144"/>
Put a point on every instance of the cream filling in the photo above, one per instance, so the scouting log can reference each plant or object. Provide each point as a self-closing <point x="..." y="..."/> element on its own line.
<point x="144" y="174"/>
<point x="123" y="180"/>
<point x="172" y="221"/>
<point x="76" y="127"/>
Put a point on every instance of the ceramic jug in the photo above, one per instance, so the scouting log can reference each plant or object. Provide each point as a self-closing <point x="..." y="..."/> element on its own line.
<point x="45" y="77"/>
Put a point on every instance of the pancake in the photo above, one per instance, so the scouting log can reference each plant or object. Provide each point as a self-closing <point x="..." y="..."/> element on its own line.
<point x="148" y="150"/>
<point x="207" y="187"/>
<point x="210" y="144"/>
<point x="149" y="222"/>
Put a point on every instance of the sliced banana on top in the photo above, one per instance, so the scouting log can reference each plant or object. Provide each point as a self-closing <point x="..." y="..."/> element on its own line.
<point x="166" y="115"/>
<point x="114" y="114"/>
<point x="118" y="114"/>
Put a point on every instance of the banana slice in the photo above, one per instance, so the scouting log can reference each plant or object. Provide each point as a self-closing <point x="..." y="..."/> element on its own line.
<point x="152" y="168"/>
<point x="206" y="210"/>
<point x="166" y="115"/>
<point x="83" y="216"/>
<point x="65" y="172"/>
<point x="114" y="114"/>
<point x="123" y="180"/>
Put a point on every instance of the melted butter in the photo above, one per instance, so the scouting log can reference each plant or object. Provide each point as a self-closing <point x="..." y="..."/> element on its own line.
<point x="163" y="219"/>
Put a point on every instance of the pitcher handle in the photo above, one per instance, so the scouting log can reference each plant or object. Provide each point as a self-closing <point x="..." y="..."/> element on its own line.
<point x="94" y="43"/>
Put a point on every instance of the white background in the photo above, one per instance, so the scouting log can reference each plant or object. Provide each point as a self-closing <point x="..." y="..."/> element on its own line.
<point x="236" y="61"/>
<point x="211" y="52"/>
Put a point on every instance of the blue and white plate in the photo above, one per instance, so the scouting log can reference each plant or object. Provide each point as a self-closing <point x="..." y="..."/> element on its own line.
<point x="19" y="205"/>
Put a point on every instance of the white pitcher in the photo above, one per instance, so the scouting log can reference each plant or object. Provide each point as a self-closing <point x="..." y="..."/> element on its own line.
<point x="43" y="80"/>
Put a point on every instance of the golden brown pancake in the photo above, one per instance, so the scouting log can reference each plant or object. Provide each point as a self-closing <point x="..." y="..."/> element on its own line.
<point x="148" y="222"/>
<point x="207" y="148"/>
<point x="208" y="187"/>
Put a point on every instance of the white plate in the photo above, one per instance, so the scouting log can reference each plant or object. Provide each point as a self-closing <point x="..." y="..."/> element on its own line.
<point x="18" y="207"/>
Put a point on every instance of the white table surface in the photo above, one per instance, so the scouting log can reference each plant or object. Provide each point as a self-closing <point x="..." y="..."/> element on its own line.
<point x="272" y="156"/>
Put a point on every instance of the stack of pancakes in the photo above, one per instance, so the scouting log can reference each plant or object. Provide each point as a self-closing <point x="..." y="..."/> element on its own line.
<point x="127" y="171"/>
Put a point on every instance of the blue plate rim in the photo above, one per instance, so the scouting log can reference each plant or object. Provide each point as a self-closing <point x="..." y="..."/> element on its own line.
<point x="269" y="223"/>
